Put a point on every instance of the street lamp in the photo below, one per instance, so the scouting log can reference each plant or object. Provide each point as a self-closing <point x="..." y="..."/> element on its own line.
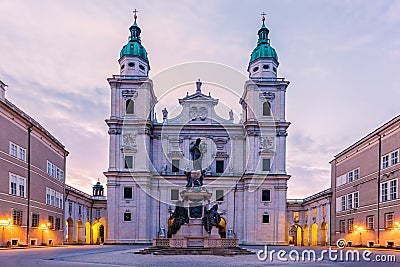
<point x="359" y="229"/>
<point x="43" y="227"/>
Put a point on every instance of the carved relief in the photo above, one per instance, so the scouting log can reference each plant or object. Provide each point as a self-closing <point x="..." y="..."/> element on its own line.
<point x="198" y="113"/>
<point x="129" y="140"/>
<point x="267" y="96"/>
<point x="129" y="93"/>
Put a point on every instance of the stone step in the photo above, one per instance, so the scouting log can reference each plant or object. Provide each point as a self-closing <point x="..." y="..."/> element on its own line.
<point x="195" y="251"/>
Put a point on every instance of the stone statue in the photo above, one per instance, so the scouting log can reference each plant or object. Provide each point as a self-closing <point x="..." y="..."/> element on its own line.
<point x="196" y="155"/>
<point x="165" y="114"/>
<point x="178" y="218"/>
<point x="231" y="115"/>
<point x="211" y="218"/>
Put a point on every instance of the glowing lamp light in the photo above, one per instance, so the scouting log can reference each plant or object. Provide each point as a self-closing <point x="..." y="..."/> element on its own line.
<point x="43" y="226"/>
<point x="5" y="222"/>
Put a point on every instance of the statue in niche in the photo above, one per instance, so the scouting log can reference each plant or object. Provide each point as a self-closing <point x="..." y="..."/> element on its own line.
<point x="211" y="218"/>
<point x="178" y="218"/>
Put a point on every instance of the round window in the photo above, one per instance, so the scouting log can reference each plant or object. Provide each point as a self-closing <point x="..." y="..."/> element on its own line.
<point x="255" y="69"/>
<point x="274" y="69"/>
<point x="141" y="67"/>
<point x="131" y="64"/>
<point x="122" y="66"/>
<point x="266" y="67"/>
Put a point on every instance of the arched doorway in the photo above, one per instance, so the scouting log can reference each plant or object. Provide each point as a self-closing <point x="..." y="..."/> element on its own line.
<point x="70" y="231"/>
<point x="99" y="231"/>
<point x="87" y="232"/>
<point x="324" y="235"/>
<point x="314" y="234"/>
<point x="297" y="236"/>
<point x="306" y="241"/>
<point x="79" y="232"/>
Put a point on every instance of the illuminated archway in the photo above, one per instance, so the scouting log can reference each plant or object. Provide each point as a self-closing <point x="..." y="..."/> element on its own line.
<point x="99" y="231"/>
<point x="314" y="234"/>
<point x="87" y="232"/>
<point x="324" y="235"/>
<point x="306" y="241"/>
<point x="70" y="229"/>
<point x="79" y="232"/>
<point x="297" y="235"/>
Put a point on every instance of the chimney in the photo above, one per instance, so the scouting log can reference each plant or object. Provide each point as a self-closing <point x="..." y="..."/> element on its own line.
<point x="2" y="90"/>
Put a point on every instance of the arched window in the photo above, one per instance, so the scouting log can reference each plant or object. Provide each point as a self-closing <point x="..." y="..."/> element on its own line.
<point x="129" y="106"/>
<point x="266" y="109"/>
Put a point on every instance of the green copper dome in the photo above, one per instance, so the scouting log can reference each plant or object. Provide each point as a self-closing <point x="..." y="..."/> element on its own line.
<point x="263" y="49"/>
<point x="134" y="46"/>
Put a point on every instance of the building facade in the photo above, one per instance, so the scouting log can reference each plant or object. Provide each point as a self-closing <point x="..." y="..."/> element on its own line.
<point x="86" y="216"/>
<point x="32" y="179"/>
<point x="245" y="162"/>
<point x="365" y="187"/>
<point x="309" y="219"/>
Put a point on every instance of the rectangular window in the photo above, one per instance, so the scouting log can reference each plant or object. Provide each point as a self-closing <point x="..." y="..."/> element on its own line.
<point x="80" y="210"/>
<point x="127" y="217"/>
<point x="324" y="210"/>
<point x="174" y="194"/>
<point x="393" y="189"/>
<point x="219" y="168"/>
<point x="61" y="201"/>
<point x="219" y="195"/>
<point x="266" y="195"/>
<point x="389" y="220"/>
<point x="265" y="218"/>
<point x="13" y="149"/>
<point x="17" y="217"/>
<point x="385" y="161"/>
<point x="21" y="187"/>
<point x="356" y="174"/>
<point x="87" y="212"/>
<point x="70" y="207"/>
<point x="306" y="215"/>
<point x="175" y="165"/>
<point x="342" y="226"/>
<point x="296" y="216"/>
<point x="57" y="225"/>
<point x="384" y="192"/>
<point x="355" y="199"/>
<point x="350" y="201"/>
<point x="394" y="157"/>
<point x="51" y="222"/>
<point x="128" y="193"/>
<point x="343" y="202"/>
<point x="340" y="180"/>
<point x="350" y="225"/>
<point x="57" y="199"/>
<point x="370" y="222"/>
<point x="13" y="184"/>
<point x="350" y="177"/>
<point x="98" y="214"/>
<point x="35" y="220"/>
<point x="22" y="153"/>
<point x="53" y="170"/>
<point x="58" y="174"/>
<point x="266" y="165"/>
<point x="314" y="212"/>
<point x="128" y="162"/>
<point x="48" y="167"/>
<point x="52" y="197"/>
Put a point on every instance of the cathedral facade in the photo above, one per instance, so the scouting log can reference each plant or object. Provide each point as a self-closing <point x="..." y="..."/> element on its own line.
<point x="244" y="161"/>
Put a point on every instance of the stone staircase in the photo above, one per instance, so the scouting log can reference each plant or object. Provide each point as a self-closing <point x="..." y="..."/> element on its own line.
<point x="195" y="251"/>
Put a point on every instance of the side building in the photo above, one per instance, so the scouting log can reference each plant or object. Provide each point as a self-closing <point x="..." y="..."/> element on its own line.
<point x="32" y="172"/>
<point x="86" y="216"/>
<point x="309" y="219"/>
<point x="365" y="200"/>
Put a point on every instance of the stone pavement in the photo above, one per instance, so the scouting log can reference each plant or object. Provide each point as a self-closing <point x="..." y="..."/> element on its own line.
<point x="105" y="256"/>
